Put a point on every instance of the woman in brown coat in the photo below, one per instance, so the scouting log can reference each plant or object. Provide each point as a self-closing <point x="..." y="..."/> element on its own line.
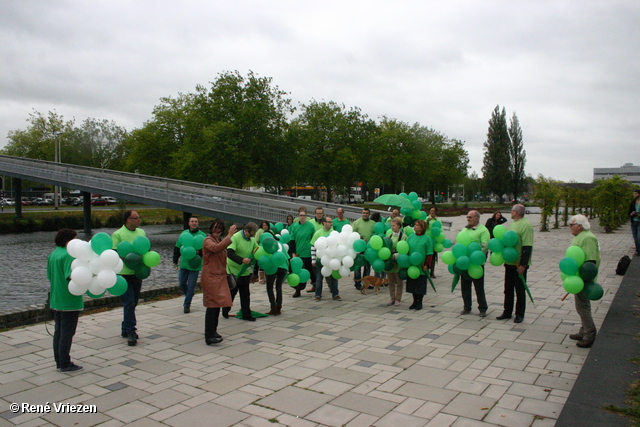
<point x="215" y="288"/>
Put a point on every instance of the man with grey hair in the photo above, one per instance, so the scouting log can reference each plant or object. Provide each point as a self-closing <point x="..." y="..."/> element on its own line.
<point x="479" y="234"/>
<point x="585" y="240"/>
<point x="239" y="253"/>
<point x="515" y="272"/>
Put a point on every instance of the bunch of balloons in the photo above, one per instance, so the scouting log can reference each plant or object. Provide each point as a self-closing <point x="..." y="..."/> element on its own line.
<point x="502" y="246"/>
<point x="95" y="267"/>
<point x="410" y="263"/>
<point x="189" y="249"/>
<point x="415" y="213"/>
<point x="578" y="275"/>
<point x="272" y="254"/>
<point x="466" y="257"/>
<point x="338" y="254"/>
<point x="298" y="274"/>
<point x="439" y="239"/>
<point x="138" y="257"/>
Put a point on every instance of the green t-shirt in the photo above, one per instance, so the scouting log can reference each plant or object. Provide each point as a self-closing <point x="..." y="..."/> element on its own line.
<point x="422" y="244"/>
<point x="588" y="242"/>
<point x="317" y="225"/>
<point x="126" y="235"/>
<point x="184" y="263"/>
<point x="364" y="228"/>
<point x="302" y="234"/>
<point x="524" y="230"/>
<point x="243" y="248"/>
<point x="337" y="224"/>
<point x="479" y="235"/>
<point x="58" y="272"/>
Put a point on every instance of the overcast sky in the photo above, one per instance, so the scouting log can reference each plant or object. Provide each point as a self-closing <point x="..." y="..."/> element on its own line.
<point x="570" y="70"/>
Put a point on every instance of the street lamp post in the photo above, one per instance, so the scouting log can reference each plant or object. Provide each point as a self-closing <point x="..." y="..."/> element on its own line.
<point x="57" y="158"/>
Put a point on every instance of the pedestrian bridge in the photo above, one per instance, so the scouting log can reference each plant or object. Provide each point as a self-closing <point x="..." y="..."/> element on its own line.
<point x="190" y="197"/>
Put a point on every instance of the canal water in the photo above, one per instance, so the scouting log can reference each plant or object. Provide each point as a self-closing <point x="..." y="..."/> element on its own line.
<point x="23" y="263"/>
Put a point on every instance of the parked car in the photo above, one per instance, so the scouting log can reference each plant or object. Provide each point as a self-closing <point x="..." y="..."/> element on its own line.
<point x="41" y="201"/>
<point x="103" y="201"/>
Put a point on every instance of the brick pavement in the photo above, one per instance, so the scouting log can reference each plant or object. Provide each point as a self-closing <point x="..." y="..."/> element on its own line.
<point x="356" y="362"/>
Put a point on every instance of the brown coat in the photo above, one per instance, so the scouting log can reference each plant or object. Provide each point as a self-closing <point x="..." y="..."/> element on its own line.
<point x="215" y="288"/>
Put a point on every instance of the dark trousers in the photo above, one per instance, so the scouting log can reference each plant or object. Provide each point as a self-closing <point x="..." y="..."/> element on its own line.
<point x="65" y="329"/>
<point x="275" y="280"/>
<point x="245" y="298"/>
<point x="513" y="284"/>
<point x="467" y="298"/>
<point x="130" y="302"/>
<point x="306" y="264"/>
<point x="211" y="322"/>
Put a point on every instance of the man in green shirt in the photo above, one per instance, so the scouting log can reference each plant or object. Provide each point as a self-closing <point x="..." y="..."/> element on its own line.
<point x="66" y="306"/>
<point x="514" y="270"/>
<point x="587" y="241"/>
<point x="189" y="270"/>
<point x="302" y="234"/>
<point x="128" y="233"/>
<point x="363" y="226"/>
<point x="340" y="221"/>
<point x="327" y="228"/>
<point x="319" y="217"/>
<point x="479" y="234"/>
<point x="239" y="253"/>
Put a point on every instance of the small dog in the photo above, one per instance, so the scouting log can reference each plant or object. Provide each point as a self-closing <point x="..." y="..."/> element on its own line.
<point x="376" y="282"/>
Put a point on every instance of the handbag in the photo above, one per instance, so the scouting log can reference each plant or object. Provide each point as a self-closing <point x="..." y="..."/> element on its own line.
<point x="231" y="280"/>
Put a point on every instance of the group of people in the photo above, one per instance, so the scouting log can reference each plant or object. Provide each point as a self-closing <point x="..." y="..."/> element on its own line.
<point x="226" y="273"/>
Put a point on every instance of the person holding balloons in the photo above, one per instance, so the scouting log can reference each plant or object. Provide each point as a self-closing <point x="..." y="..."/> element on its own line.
<point x="515" y="272"/>
<point x="397" y="235"/>
<point x="128" y="233"/>
<point x="364" y="227"/>
<point x="302" y="233"/>
<point x="66" y="306"/>
<point x="587" y="241"/>
<point x="477" y="233"/>
<point x="240" y="253"/>
<point x="190" y="266"/>
<point x="327" y="227"/>
<point x="420" y="246"/>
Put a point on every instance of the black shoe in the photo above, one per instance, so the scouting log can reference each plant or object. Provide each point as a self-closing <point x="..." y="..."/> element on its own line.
<point x="123" y="334"/>
<point x="225" y="312"/>
<point x="296" y="294"/>
<point x="412" y="306"/>
<point x="418" y="306"/>
<point x="584" y="343"/>
<point x="518" y="319"/>
<point x="249" y="318"/>
<point x="358" y="286"/>
<point x="483" y="313"/>
<point x="71" y="368"/>
<point x="465" y="311"/>
<point x="576" y="337"/>
<point x="217" y="335"/>
<point x="187" y="310"/>
<point x="504" y="316"/>
<point x="214" y="340"/>
<point x="132" y="339"/>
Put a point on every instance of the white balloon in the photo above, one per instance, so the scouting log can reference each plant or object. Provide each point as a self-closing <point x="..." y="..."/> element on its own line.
<point x="334" y="233"/>
<point x="326" y="271"/>
<point x="118" y="268"/>
<point x="353" y="237"/>
<point x="79" y="263"/>
<point x="347" y="261"/>
<point x="320" y="253"/>
<point x="352" y="253"/>
<point x="95" y="287"/>
<point x="72" y="248"/>
<point x="81" y="275"/>
<point x="347" y="229"/>
<point x="332" y="241"/>
<point x="325" y="260"/>
<point x="109" y="259"/>
<point x="344" y="271"/>
<point x="331" y="252"/>
<point x="75" y="289"/>
<point x="321" y="243"/>
<point x="286" y="247"/>
<point x="95" y="265"/>
<point x="84" y="251"/>
<point x="106" y="278"/>
<point x="343" y="238"/>
<point x="284" y="231"/>
<point x="341" y="250"/>
<point x="334" y="264"/>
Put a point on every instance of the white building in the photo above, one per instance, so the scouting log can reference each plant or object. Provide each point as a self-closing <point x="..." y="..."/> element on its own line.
<point x="627" y="171"/>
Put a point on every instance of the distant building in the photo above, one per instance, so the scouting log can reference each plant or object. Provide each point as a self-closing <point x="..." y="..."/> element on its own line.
<point x="627" y="171"/>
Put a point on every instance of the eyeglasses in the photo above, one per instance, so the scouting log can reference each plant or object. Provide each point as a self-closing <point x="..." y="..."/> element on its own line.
<point x="571" y="225"/>
<point x="302" y="215"/>
<point x="135" y="217"/>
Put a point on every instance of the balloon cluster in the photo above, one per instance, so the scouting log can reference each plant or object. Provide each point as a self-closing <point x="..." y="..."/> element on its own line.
<point x="439" y="239"/>
<point x="502" y="246"/>
<point x="466" y="257"/>
<point x="272" y="254"/>
<point x="338" y="254"/>
<point x="410" y="263"/>
<point x="415" y="213"/>
<point x="578" y="275"/>
<point x="190" y="245"/>
<point x="298" y="274"/>
<point x="138" y="257"/>
<point x="95" y="267"/>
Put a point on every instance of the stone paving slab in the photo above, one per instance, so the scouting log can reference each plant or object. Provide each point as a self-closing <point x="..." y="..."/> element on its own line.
<point x="356" y="362"/>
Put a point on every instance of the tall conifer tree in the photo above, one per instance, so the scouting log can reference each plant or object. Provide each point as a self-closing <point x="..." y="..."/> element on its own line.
<point x="497" y="168"/>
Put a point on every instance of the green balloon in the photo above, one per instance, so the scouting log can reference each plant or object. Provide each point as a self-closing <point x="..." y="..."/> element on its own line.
<point x="448" y="258"/>
<point x="499" y="230"/>
<point x="451" y="268"/>
<point x="402" y="247"/>
<point x="576" y="253"/>
<point x="371" y="255"/>
<point x="463" y="238"/>
<point x="459" y="250"/>
<point x="186" y="239"/>
<point x="413" y="272"/>
<point x="378" y="265"/>
<point x="440" y="238"/>
<point x="141" y="245"/>
<point x="402" y="274"/>
<point x="143" y="272"/>
<point x="271" y="270"/>
<point x="336" y="274"/>
<point x="436" y="224"/>
<point x="509" y="254"/>
<point x="435" y="232"/>
<point x="403" y="261"/>
<point x="384" y="253"/>
<point x="593" y="291"/>
<point x="447" y="243"/>
<point x="296" y="264"/>
<point x="496" y="245"/>
<point x="438" y="247"/>
<point x="496" y="259"/>
<point x="359" y="245"/>
<point x="378" y="228"/>
<point x="285" y="238"/>
<point x="588" y="271"/>
<point x="265" y="262"/>
<point x="195" y="262"/>
<point x="133" y="260"/>
<point x="101" y="242"/>
<point x="412" y="196"/>
<point x="279" y="259"/>
<point x="416" y="204"/>
<point x="463" y="262"/>
<point x="187" y="252"/>
<point x="293" y="280"/>
<point x="473" y="247"/>
<point x="198" y="241"/>
<point x="151" y="259"/>
<point x="279" y="227"/>
<point x="416" y="214"/>
<point x="270" y="245"/>
<point x="124" y="249"/>
<point x="304" y="275"/>
<point x="478" y="258"/>
<point x="573" y="284"/>
<point x="475" y="271"/>
<point x="569" y="266"/>
<point x="509" y="238"/>
<point x="376" y="242"/>
<point x="388" y="243"/>
<point x="416" y="258"/>
<point x="259" y="253"/>
<point x="120" y="287"/>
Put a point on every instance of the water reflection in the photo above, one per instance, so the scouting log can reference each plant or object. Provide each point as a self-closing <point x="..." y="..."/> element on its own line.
<point x="23" y="270"/>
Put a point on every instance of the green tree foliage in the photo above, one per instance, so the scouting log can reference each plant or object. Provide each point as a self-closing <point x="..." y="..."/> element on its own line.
<point x="101" y="143"/>
<point x="497" y="164"/>
<point x="39" y="139"/>
<point x="547" y="194"/>
<point x="518" y="157"/>
<point x="611" y="198"/>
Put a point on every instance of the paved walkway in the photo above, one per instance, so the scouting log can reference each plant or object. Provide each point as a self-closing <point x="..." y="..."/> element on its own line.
<point x="351" y="363"/>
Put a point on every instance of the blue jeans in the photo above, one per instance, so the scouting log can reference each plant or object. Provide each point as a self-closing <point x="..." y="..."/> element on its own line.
<point x="130" y="302"/>
<point x="635" y="231"/>
<point x="357" y="275"/>
<point x="187" y="280"/>
<point x="331" y="281"/>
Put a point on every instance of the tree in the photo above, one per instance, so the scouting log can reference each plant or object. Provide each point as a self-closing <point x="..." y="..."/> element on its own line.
<point x="497" y="160"/>
<point x="39" y="139"/>
<point x="547" y="194"/>
<point x="518" y="157"/>
<point x="101" y="141"/>
<point x="612" y="201"/>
